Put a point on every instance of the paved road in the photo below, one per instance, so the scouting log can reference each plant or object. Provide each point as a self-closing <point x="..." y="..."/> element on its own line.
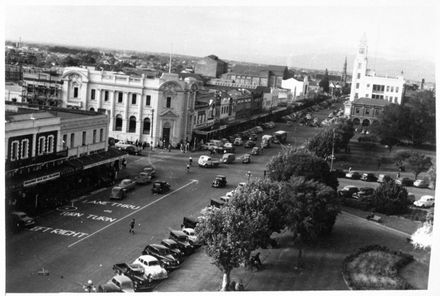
<point x="75" y="246"/>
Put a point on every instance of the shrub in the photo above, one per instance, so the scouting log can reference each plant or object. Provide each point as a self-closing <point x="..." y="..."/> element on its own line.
<point x="390" y="198"/>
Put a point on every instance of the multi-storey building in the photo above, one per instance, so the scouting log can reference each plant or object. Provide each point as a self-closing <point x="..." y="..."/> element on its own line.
<point x="266" y="75"/>
<point x="42" y="87"/>
<point x="211" y="66"/>
<point x="147" y="109"/>
<point x="368" y="86"/>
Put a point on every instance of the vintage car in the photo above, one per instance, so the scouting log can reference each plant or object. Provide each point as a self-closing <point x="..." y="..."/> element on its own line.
<point x="219" y="181"/>
<point x="127" y="184"/>
<point x="182" y="240"/>
<point x="383" y="178"/>
<point x="150" y="169"/>
<point x="190" y="222"/>
<point x="20" y="220"/>
<point x="118" y="193"/>
<point x="364" y="193"/>
<point x="192" y="238"/>
<point x="256" y="151"/>
<point x="152" y="267"/>
<point x="368" y="177"/>
<point x="425" y="201"/>
<point x="238" y="141"/>
<point x="249" y="144"/>
<point x="207" y="162"/>
<point x="405" y="181"/>
<point x="246" y="158"/>
<point x="163" y="254"/>
<point x="421" y="183"/>
<point x="348" y="191"/>
<point x="119" y="283"/>
<point x="174" y="248"/>
<point x="353" y="175"/>
<point x="136" y="274"/>
<point x="160" y="187"/>
<point x="143" y="178"/>
<point x="228" y="158"/>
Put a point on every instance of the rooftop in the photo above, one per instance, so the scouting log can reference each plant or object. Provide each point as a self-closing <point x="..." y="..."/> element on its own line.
<point x="371" y="102"/>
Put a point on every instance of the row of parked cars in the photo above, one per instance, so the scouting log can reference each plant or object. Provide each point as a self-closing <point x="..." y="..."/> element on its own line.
<point x="371" y="177"/>
<point x="155" y="262"/>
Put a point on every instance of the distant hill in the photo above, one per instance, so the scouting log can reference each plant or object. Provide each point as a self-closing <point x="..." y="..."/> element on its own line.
<point x="412" y="69"/>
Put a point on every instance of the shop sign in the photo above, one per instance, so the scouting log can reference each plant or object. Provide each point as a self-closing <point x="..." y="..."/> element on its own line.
<point x="41" y="179"/>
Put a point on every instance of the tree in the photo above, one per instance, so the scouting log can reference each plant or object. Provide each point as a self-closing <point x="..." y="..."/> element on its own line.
<point x="389" y="126"/>
<point x="432" y="174"/>
<point x="293" y="162"/>
<point x="311" y="209"/>
<point x="413" y="160"/>
<point x="324" y="83"/>
<point x="390" y="198"/>
<point x="419" y="114"/>
<point x="227" y="234"/>
<point x="262" y="197"/>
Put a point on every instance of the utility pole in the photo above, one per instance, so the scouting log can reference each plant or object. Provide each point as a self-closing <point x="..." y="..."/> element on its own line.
<point x="333" y="151"/>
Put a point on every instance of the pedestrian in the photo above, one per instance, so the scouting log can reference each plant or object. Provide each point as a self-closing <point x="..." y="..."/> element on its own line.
<point x="132" y="223"/>
<point x="264" y="173"/>
<point x="398" y="175"/>
<point x="144" y="145"/>
<point x="187" y="168"/>
<point x="151" y="145"/>
<point x="169" y="147"/>
<point x="349" y="169"/>
<point x="187" y="146"/>
<point x="190" y="161"/>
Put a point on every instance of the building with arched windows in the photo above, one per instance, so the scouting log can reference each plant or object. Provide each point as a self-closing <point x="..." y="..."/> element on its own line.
<point x="140" y="108"/>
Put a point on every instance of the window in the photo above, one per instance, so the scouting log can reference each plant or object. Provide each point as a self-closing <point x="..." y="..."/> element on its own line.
<point x="388" y="88"/>
<point x="359" y="76"/>
<point x="366" y="95"/>
<point x="148" y="100"/>
<point x="41" y="143"/>
<point x="357" y="85"/>
<point x="395" y="100"/>
<point x="120" y="94"/>
<point x="92" y="95"/>
<point x="14" y="150"/>
<point x="64" y="141"/>
<point x="392" y="88"/>
<point x="133" y="99"/>
<point x="50" y="144"/>
<point x="146" y="126"/>
<point x="118" y="123"/>
<point x="72" y="140"/>
<point x="84" y="134"/>
<point x="132" y="124"/>
<point x="397" y="89"/>
<point x="75" y="92"/>
<point x="94" y="136"/>
<point x="101" y="135"/>
<point x="359" y="65"/>
<point x="106" y="95"/>
<point x="168" y="102"/>
<point x="357" y="110"/>
<point x="368" y="85"/>
<point x="367" y="111"/>
<point x="378" y="88"/>
<point x="24" y="149"/>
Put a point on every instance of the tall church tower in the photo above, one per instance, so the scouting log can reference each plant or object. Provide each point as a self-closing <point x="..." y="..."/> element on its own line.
<point x="344" y="73"/>
<point x="359" y="68"/>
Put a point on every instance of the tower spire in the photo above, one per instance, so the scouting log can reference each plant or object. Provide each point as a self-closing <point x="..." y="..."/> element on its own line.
<point x="344" y="72"/>
<point x="169" y="67"/>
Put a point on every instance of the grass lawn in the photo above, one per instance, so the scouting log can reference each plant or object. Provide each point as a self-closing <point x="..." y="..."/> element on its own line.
<point x="376" y="269"/>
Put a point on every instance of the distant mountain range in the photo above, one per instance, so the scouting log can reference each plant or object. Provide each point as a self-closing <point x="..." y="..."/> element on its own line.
<point x="412" y="69"/>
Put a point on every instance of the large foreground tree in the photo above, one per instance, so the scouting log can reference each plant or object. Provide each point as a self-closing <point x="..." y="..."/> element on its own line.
<point x="311" y="209"/>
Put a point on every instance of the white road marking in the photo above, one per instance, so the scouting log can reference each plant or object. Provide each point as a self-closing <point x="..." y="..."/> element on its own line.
<point x="134" y="212"/>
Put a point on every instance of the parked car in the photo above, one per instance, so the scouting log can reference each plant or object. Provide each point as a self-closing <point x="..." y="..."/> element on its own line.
<point x="353" y="175"/>
<point x="118" y="193"/>
<point x="253" y="137"/>
<point x="160" y="187"/>
<point x="384" y="178"/>
<point x="217" y="203"/>
<point x="152" y="267"/>
<point x="182" y="240"/>
<point x="192" y="238"/>
<point x="118" y="283"/>
<point x="338" y="172"/>
<point x="421" y="183"/>
<point x="174" y="248"/>
<point x="238" y="141"/>
<point x="135" y="273"/>
<point x="219" y="181"/>
<point x="348" y="191"/>
<point x="143" y="178"/>
<point x="246" y="158"/>
<point x="364" y="193"/>
<point x="21" y="220"/>
<point x="256" y="151"/>
<point x="249" y="144"/>
<point x="190" y="222"/>
<point x="151" y="169"/>
<point x="369" y="177"/>
<point x="425" y="201"/>
<point x="228" y="145"/>
<point x="163" y="254"/>
<point x="404" y="181"/>
<point x="258" y="129"/>
<point x="228" y="158"/>
<point x="207" y="162"/>
<point x="127" y="184"/>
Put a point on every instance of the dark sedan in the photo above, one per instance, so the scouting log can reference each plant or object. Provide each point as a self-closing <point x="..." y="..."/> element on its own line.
<point x="369" y="177"/>
<point x="160" y="187"/>
<point x="163" y="254"/>
<point x="219" y="181"/>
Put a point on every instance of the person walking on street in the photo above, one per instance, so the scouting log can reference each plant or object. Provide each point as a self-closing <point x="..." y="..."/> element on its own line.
<point x="187" y="168"/>
<point x="190" y="161"/>
<point x="132" y="223"/>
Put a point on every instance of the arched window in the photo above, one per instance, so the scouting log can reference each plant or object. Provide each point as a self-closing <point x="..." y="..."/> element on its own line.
<point x="50" y="144"/>
<point x="41" y="145"/>
<point x="92" y="109"/>
<point x="146" y="126"/>
<point x="14" y="150"/>
<point x="24" y="149"/>
<point x="132" y="124"/>
<point x="118" y="123"/>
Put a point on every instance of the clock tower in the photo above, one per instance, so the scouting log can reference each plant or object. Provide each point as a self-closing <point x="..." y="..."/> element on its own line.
<point x="359" y="68"/>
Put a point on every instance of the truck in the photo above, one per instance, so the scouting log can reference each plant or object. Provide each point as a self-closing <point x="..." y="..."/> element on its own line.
<point x="265" y="141"/>
<point x="207" y="162"/>
<point x="136" y="274"/>
<point x="280" y="137"/>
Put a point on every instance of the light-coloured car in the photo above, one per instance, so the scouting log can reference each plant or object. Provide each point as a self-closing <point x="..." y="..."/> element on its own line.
<point x="353" y="175"/>
<point x="425" y="201"/>
<point x="228" y="145"/>
<point x="119" y="283"/>
<point x="127" y="184"/>
<point x="192" y="237"/>
<point x="238" y="141"/>
<point x="152" y="267"/>
<point x="143" y="178"/>
<point x="420" y="183"/>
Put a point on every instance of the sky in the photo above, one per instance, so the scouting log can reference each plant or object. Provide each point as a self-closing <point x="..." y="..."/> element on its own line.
<point x="249" y="31"/>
